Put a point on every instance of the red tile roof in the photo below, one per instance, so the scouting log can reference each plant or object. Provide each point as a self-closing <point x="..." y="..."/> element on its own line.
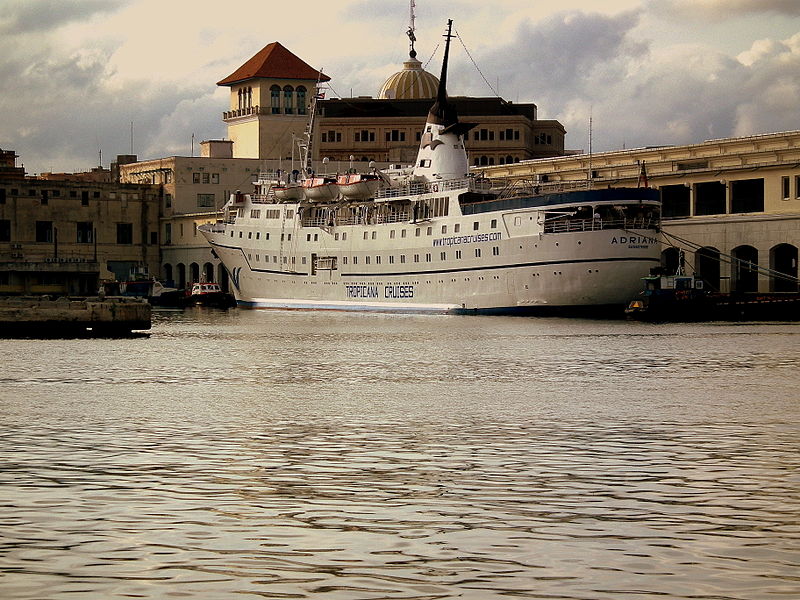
<point x="274" y="62"/>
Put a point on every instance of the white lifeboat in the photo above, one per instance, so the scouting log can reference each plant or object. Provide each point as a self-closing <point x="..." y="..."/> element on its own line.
<point x="358" y="185"/>
<point x="289" y="191"/>
<point x="320" y="188"/>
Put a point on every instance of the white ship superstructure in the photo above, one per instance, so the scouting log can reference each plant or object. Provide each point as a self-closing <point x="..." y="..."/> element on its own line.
<point x="434" y="239"/>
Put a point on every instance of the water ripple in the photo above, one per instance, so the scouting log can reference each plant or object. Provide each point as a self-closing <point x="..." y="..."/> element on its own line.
<point x="536" y="459"/>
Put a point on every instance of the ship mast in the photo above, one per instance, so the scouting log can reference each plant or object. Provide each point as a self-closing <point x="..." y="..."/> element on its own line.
<point x="306" y="145"/>
<point x="442" y="112"/>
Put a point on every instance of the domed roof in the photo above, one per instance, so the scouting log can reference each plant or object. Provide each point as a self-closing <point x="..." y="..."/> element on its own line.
<point x="412" y="83"/>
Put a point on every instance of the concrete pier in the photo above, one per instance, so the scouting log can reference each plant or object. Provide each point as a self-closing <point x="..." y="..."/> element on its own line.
<point x="72" y="317"/>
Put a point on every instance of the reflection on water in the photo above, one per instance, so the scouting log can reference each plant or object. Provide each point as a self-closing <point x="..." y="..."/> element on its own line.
<point x="290" y="455"/>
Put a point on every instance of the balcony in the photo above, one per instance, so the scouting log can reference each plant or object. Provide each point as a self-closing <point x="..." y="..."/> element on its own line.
<point x="52" y="265"/>
<point x="241" y="112"/>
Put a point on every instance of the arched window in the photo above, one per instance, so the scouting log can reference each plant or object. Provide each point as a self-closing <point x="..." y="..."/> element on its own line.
<point x="208" y="272"/>
<point x="222" y="277"/>
<point x="509" y="159"/>
<point x="275" y="99"/>
<point x="288" y="100"/>
<point x="744" y="269"/>
<point x="168" y="275"/>
<point x="181" y="276"/>
<point x="249" y="97"/>
<point x="484" y="161"/>
<point x="241" y="103"/>
<point x="706" y="266"/>
<point x="783" y="259"/>
<point x="671" y="260"/>
<point x="301" y="100"/>
<point x="194" y="269"/>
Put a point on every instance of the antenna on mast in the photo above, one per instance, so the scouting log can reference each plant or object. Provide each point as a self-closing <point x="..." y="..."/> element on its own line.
<point x="411" y="29"/>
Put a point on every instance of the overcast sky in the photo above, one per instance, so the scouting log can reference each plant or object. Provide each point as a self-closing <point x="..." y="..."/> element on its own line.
<point x="76" y="73"/>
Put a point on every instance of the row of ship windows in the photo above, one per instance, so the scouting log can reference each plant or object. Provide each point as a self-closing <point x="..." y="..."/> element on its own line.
<point x="269" y="213"/>
<point x="370" y="235"/>
<point x="401" y="259"/>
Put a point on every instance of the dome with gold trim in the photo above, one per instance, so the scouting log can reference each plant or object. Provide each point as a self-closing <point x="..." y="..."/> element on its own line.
<point x="412" y="83"/>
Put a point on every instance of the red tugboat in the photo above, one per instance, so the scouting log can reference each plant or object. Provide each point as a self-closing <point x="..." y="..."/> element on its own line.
<point x="209" y="294"/>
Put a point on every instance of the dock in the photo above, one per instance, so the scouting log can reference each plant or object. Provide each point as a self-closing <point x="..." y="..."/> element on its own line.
<point x="44" y="317"/>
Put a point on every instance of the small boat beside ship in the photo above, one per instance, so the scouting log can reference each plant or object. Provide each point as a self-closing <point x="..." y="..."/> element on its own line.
<point x="209" y="294"/>
<point x="685" y="298"/>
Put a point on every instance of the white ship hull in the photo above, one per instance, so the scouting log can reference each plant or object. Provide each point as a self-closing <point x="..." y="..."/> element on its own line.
<point x="505" y="260"/>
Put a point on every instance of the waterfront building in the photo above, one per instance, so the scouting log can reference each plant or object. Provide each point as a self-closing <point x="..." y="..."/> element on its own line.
<point x="270" y="96"/>
<point x="735" y="202"/>
<point x="8" y="165"/>
<point x="387" y="129"/>
<point x="269" y="99"/>
<point x="194" y="189"/>
<point x="60" y="236"/>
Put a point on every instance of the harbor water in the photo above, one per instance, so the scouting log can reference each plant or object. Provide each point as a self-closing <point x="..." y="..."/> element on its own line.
<point x="271" y="454"/>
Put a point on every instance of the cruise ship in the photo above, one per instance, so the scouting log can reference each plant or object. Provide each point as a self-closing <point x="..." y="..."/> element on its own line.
<point x="432" y="238"/>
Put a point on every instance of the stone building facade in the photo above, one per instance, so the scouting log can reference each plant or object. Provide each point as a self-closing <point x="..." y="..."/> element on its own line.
<point x="194" y="189"/>
<point x="64" y="237"/>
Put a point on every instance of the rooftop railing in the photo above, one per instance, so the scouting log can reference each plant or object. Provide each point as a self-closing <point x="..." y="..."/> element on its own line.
<point x="572" y="225"/>
<point x="445" y="185"/>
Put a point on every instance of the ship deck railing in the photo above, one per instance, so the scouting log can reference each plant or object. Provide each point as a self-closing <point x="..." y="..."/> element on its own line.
<point x="377" y="219"/>
<point x="571" y="225"/>
<point x="526" y="187"/>
<point x="218" y="227"/>
<point x="417" y="188"/>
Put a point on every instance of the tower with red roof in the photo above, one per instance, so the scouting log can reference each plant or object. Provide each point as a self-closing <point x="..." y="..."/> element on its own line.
<point x="270" y="98"/>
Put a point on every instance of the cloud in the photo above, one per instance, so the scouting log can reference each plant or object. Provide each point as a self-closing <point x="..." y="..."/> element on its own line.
<point x="82" y="71"/>
<point x="773" y="84"/>
<point x="572" y="51"/>
<point x="20" y="17"/>
<point x="692" y="9"/>
<point x="199" y="116"/>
